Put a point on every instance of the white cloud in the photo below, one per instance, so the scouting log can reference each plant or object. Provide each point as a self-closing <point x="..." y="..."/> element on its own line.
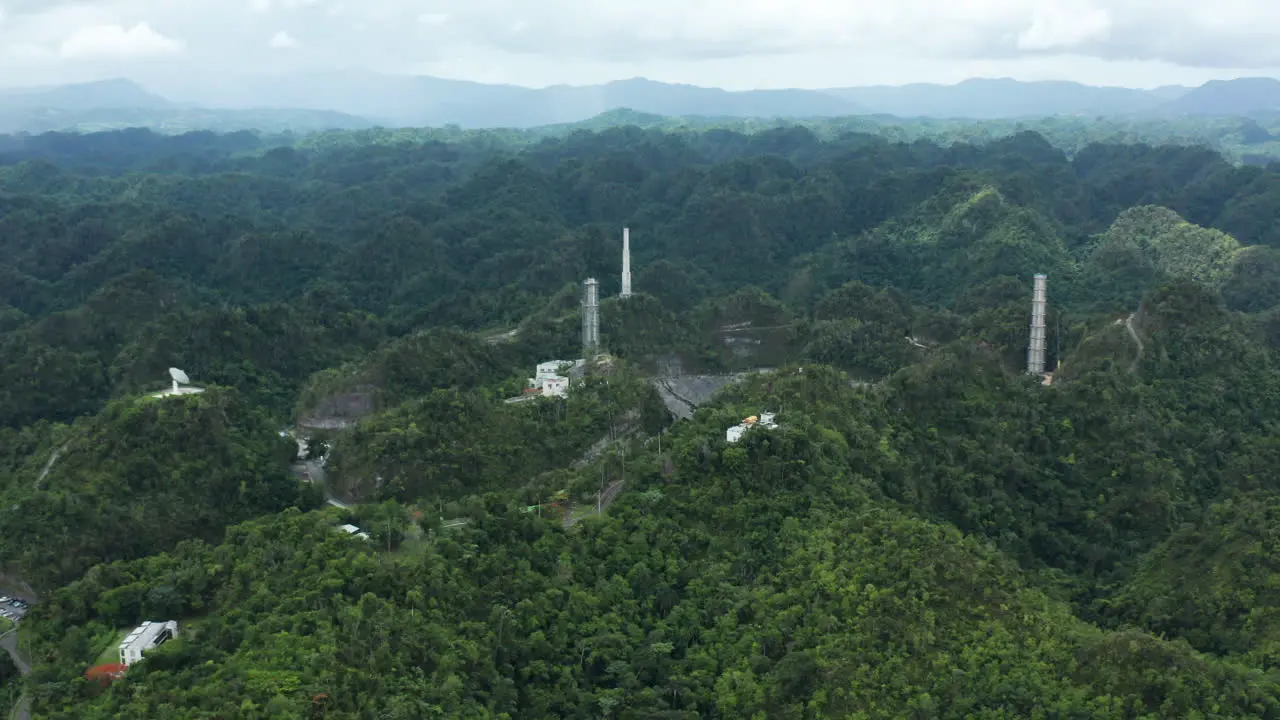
<point x="114" y="41"/>
<point x="262" y="6"/>
<point x="727" y="42"/>
<point x="283" y="41"/>
<point x="1065" y="25"/>
<point x="27" y="52"/>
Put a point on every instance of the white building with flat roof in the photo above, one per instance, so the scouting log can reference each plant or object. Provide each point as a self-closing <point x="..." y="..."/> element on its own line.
<point x="146" y="636"/>
<point x="555" y="386"/>
<point x="353" y="530"/>
<point x="764" y="420"/>
<point x="553" y="377"/>
<point x="553" y="367"/>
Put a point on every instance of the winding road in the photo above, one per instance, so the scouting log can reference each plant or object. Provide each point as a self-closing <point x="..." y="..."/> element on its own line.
<point x="53" y="458"/>
<point x="9" y="642"/>
<point x="1128" y="325"/>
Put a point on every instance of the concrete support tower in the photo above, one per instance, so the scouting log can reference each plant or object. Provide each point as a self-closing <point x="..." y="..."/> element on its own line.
<point x="591" y="319"/>
<point x="1035" y="351"/>
<point x="626" y="263"/>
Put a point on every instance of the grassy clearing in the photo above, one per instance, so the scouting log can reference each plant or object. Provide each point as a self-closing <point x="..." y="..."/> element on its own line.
<point x="110" y="647"/>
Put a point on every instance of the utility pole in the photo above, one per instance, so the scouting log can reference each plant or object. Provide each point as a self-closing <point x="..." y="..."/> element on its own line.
<point x="1057" y="345"/>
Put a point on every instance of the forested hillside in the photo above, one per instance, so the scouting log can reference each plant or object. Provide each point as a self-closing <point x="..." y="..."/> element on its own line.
<point x="929" y="531"/>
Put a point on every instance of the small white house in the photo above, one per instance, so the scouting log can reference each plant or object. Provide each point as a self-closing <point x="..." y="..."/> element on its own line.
<point x="555" y="386"/>
<point x="353" y="530"/>
<point x="553" y="377"/>
<point x="145" y="637"/>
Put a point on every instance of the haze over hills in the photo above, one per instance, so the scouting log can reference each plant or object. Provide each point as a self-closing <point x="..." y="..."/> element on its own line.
<point x="358" y="99"/>
<point x="1005" y="98"/>
<point x="119" y="103"/>
<point x="1245" y="96"/>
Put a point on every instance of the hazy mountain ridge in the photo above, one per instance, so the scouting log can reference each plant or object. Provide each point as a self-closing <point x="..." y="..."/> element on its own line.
<point x="117" y="93"/>
<point x="1244" y="96"/>
<point x="117" y="104"/>
<point x="354" y="100"/>
<point x="1002" y="98"/>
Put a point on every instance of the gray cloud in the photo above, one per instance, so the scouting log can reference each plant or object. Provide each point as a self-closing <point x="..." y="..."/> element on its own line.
<point x="126" y="36"/>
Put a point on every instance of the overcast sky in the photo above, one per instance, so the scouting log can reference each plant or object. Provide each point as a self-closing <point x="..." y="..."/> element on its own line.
<point x="735" y="44"/>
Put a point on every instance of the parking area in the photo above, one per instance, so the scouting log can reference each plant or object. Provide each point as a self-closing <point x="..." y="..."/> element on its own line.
<point x="12" y="608"/>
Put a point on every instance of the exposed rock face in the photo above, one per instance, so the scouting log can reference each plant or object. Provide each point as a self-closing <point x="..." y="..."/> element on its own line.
<point x="339" y="411"/>
<point x="684" y="393"/>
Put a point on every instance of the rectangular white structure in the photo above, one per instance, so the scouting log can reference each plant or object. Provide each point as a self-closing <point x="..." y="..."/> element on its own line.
<point x="626" y="263"/>
<point x="145" y="637"/>
<point x="353" y="530"/>
<point x="1036" y="348"/>
<point x="552" y="367"/>
<point x="765" y="420"/>
<point x="591" y="319"/>
<point x="555" y="386"/>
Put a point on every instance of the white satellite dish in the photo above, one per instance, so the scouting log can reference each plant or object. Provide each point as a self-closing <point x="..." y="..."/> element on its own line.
<point x="179" y="379"/>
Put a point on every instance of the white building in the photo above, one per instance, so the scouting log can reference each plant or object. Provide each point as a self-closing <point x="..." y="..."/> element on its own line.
<point x="555" y="386"/>
<point x="146" y="636"/>
<point x="353" y="530"/>
<point x="552" y="378"/>
<point x="735" y="433"/>
<point x="553" y="367"/>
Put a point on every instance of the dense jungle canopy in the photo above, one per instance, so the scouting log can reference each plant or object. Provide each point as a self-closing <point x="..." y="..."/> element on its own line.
<point x="930" y="532"/>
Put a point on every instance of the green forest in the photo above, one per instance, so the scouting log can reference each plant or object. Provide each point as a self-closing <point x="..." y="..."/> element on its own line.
<point x="928" y="532"/>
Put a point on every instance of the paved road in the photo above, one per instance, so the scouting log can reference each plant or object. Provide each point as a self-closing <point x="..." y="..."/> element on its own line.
<point x="49" y="465"/>
<point x="314" y="469"/>
<point x="508" y="336"/>
<point x="9" y="641"/>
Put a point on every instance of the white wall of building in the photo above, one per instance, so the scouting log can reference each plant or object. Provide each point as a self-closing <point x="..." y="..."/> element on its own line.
<point x="552" y="367"/>
<point x="735" y="433"/>
<point x="555" y="386"/>
<point x="146" y="636"/>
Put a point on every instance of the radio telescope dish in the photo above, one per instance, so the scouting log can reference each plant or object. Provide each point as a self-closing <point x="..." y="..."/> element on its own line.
<point x="179" y="376"/>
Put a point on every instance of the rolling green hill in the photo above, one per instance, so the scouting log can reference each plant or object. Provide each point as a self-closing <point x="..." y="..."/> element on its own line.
<point x="928" y="532"/>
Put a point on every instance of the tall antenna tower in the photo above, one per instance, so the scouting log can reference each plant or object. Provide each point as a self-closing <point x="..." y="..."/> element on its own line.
<point x="1035" y="351"/>
<point x="626" y="263"/>
<point x="591" y="319"/>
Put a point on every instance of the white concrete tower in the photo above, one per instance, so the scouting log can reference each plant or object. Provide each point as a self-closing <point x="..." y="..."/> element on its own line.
<point x="626" y="263"/>
<point x="1035" y="351"/>
<point x="591" y="319"/>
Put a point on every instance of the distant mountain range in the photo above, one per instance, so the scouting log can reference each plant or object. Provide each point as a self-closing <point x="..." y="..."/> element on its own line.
<point x="352" y="100"/>
<point x="114" y="104"/>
